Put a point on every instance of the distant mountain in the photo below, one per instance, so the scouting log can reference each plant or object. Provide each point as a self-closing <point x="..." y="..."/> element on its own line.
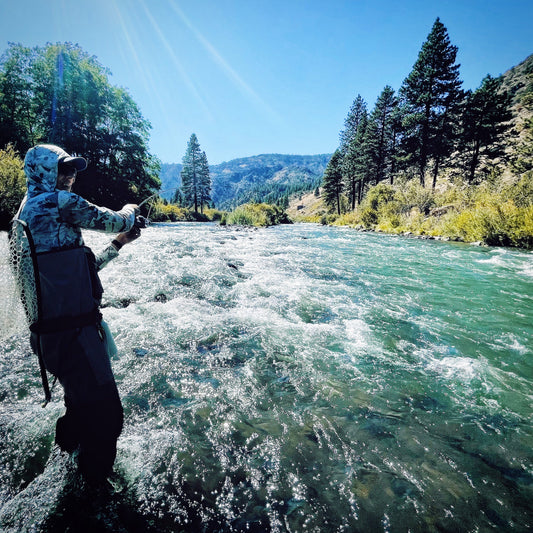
<point x="262" y="178"/>
<point x="170" y="179"/>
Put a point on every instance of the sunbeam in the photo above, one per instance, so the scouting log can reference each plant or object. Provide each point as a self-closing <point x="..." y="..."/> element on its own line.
<point x="175" y="60"/>
<point x="226" y="68"/>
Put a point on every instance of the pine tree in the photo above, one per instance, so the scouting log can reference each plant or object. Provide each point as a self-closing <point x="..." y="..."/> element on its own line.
<point x="485" y="117"/>
<point x="205" y="182"/>
<point x="332" y="185"/>
<point x="195" y="179"/>
<point x="351" y="123"/>
<point x="177" y="198"/>
<point x="432" y="96"/>
<point x="354" y="173"/>
<point x="380" y="148"/>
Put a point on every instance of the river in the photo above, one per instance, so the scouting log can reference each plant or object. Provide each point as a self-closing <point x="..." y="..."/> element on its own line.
<point x="294" y="378"/>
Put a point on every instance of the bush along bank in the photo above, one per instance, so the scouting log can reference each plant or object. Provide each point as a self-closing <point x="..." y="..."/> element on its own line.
<point x="252" y="214"/>
<point x="161" y="211"/>
<point x="494" y="214"/>
<point x="256" y="214"/>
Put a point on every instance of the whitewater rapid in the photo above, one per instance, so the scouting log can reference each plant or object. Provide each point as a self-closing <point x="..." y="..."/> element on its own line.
<point x="297" y="378"/>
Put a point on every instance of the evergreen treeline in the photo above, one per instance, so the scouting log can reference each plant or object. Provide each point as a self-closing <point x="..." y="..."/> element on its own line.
<point x="60" y="94"/>
<point x="277" y="193"/>
<point x="268" y="178"/>
<point x="429" y="127"/>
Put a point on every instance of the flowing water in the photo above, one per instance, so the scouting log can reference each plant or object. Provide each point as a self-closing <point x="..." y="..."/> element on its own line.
<point x="295" y="378"/>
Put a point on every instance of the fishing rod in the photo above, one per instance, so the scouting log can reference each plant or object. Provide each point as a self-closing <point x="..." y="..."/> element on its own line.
<point x="155" y="194"/>
<point x="142" y="222"/>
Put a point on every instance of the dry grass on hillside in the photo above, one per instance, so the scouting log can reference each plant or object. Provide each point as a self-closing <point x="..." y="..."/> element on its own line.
<point x="306" y="206"/>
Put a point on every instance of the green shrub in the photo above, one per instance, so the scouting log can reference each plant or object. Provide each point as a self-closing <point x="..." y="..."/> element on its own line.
<point x="379" y="196"/>
<point x="162" y="212"/>
<point x="369" y="217"/>
<point x="521" y="193"/>
<point x="257" y="215"/>
<point x="12" y="184"/>
<point x="414" y="195"/>
<point x="496" y="224"/>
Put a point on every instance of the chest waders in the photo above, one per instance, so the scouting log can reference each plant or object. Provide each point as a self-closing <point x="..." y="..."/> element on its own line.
<point x="60" y="290"/>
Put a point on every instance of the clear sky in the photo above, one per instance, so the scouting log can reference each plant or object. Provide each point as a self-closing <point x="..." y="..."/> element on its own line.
<point x="266" y="76"/>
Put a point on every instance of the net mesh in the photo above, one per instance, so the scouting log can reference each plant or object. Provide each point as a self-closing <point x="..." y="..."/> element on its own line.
<point x="21" y="256"/>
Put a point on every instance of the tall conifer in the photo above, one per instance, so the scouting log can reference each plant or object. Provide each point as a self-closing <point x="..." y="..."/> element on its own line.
<point x="205" y="182"/>
<point x="190" y="173"/>
<point x="432" y="95"/>
<point x="355" y="169"/>
<point x="485" y="119"/>
<point x="351" y="123"/>
<point x="332" y="185"/>
<point x="382" y="120"/>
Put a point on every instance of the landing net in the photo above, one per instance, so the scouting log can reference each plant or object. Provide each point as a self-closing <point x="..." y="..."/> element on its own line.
<point x="22" y="261"/>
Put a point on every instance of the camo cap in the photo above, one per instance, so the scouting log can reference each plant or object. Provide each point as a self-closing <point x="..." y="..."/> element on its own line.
<point x="79" y="163"/>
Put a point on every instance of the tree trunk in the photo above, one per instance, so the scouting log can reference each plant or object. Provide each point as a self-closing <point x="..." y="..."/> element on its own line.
<point x="435" y="173"/>
<point x="474" y="162"/>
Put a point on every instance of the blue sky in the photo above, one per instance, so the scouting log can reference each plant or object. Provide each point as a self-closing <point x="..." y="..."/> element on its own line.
<point x="266" y="76"/>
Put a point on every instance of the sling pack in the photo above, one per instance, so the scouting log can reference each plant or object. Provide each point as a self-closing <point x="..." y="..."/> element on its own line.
<point x="60" y="290"/>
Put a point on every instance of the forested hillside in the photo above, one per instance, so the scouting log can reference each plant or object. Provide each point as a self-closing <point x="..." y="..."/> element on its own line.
<point x="268" y="178"/>
<point x="435" y="159"/>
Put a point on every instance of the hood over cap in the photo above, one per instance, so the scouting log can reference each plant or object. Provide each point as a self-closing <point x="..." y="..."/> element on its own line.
<point x="40" y="167"/>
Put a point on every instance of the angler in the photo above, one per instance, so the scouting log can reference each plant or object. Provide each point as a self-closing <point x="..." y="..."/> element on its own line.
<point x="67" y="331"/>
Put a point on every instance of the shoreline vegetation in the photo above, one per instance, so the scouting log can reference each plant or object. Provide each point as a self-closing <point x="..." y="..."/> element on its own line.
<point x="492" y="213"/>
<point x="250" y="214"/>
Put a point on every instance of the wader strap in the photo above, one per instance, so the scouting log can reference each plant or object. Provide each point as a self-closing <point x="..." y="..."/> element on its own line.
<point x="55" y="325"/>
<point x="44" y="377"/>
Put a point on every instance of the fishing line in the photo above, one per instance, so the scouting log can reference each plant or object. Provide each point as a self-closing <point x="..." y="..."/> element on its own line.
<point x="158" y="193"/>
<point x="153" y="196"/>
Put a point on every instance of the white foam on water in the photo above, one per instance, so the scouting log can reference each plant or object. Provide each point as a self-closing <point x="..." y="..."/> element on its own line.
<point x="307" y="378"/>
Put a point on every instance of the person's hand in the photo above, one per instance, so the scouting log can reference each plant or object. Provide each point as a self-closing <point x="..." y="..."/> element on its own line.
<point x="128" y="236"/>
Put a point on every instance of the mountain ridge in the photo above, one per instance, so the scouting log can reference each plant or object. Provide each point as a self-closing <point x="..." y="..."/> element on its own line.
<point x="263" y="177"/>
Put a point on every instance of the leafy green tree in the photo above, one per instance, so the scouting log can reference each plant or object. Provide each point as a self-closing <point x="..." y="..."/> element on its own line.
<point x="486" y="118"/>
<point x="332" y="182"/>
<point x="351" y="123"/>
<point x="432" y="96"/>
<point x="17" y="114"/>
<point x="195" y="179"/>
<point x="62" y="95"/>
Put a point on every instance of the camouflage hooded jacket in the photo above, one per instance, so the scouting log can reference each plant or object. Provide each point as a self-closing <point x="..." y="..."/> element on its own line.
<point x="56" y="217"/>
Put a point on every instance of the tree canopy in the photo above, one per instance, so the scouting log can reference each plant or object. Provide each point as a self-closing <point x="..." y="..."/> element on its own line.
<point x="60" y="94"/>
<point x="430" y="125"/>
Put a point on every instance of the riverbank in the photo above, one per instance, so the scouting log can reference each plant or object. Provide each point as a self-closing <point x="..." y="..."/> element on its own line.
<point x="494" y="214"/>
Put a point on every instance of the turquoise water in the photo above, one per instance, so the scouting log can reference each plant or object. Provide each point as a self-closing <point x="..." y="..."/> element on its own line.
<point x="297" y="378"/>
